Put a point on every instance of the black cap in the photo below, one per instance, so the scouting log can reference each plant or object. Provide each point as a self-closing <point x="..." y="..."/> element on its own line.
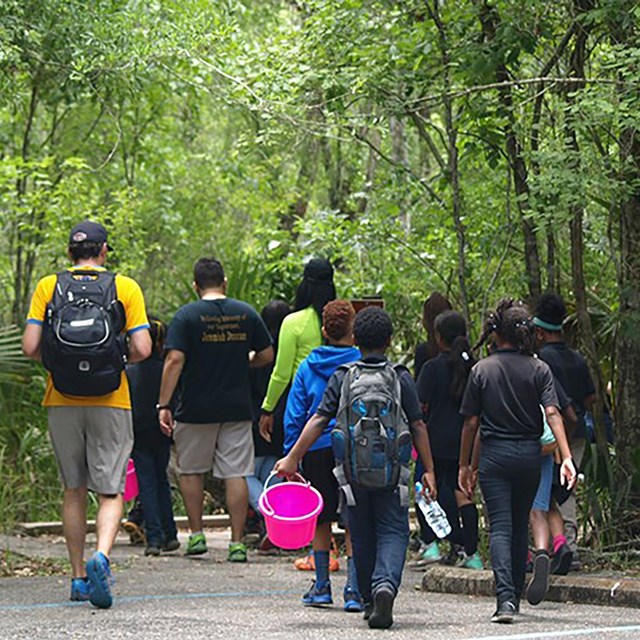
<point x="318" y="270"/>
<point x="87" y="231"/>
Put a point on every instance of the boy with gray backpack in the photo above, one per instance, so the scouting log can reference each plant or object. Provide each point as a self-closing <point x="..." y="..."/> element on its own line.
<point x="378" y="415"/>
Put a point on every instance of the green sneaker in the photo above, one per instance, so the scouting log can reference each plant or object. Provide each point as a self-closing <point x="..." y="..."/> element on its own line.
<point x="472" y="562"/>
<point x="197" y="544"/>
<point x="431" y="554"/>
<point x="237" y="552"/>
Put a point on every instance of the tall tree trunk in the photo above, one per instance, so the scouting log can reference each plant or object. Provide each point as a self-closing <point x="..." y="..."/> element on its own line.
<point x="452" y="169"/>
<point x="400" y="156"/>
<point x="307" y="173"/>
<point x="489" y="19"/>
<point x="23" y="234"/>
<point x="370" y="172"/>
<point x="576" y="70"/>
<point x="553" y="270"/>
<point x="625" y="32"/>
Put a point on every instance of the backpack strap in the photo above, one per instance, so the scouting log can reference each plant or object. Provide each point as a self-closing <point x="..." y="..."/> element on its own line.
<point x="405" y="471"/>
<point x="403" y="485"/>
<point x="346" y="492"/>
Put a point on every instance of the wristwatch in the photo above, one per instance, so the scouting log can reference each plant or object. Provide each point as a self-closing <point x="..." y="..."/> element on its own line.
<point x="160" y="407"/>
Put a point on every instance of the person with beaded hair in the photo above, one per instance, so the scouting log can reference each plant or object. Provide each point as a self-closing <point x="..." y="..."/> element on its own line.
<point x="502" y="399"/>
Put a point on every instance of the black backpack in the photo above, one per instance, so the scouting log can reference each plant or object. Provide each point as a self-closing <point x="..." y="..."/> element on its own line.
<point x="82" y="345"/>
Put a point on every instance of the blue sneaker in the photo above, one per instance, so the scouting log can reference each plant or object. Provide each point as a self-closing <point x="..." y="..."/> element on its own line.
<point x="80" y="590"/>
<point x="352" y="600"/>
<point x="100" y="579"/>
<point x="318" y="597"/>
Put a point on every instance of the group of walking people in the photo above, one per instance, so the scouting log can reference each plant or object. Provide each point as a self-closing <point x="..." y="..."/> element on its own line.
<point x="331" y="405"/>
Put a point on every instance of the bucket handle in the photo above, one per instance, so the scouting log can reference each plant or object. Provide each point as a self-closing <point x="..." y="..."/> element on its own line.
<point x="265" y="502"/>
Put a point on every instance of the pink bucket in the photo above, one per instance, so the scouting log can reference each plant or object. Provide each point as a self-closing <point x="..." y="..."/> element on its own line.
<point x="131" y="482"/>
<point x="290" y="511"/>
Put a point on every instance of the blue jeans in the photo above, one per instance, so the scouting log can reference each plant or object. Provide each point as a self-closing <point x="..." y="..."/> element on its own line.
<point x="151" y="457"/>
<point x="542" y="500"/>
<point x="380" y="537"/>
<point x="509" y="478"/>
<point x="255" y="483"/>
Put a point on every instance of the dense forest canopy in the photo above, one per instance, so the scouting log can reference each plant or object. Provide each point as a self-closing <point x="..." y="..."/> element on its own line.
<point x="480" y="148"/>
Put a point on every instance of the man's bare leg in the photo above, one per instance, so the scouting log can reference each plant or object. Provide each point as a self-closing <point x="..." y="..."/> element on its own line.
<point x="108" y="521"/>
<point x="192" y="488"/>
<point x="74" y="527"/>
<point x="237" y="502"/>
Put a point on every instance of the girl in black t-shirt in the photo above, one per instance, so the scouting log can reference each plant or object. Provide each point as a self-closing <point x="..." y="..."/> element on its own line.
<point x="435" y="304"/>
<point x="441" y="384"/>
<point x="503" y="398"/>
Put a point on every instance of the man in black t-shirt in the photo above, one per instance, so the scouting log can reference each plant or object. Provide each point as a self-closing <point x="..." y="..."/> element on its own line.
<point x="210" y="346"/>
<point x="571" y="370"/>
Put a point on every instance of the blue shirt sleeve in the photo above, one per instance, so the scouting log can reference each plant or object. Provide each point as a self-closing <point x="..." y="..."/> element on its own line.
<point x="295" y="416"/>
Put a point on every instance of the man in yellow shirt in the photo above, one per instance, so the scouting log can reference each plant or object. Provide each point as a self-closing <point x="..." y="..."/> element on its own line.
<point x="92" y="435"/>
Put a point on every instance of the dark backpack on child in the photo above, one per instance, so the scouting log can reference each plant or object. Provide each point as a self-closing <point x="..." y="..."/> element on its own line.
<point x="82" y="345"/>
<point x="371" y="440"/>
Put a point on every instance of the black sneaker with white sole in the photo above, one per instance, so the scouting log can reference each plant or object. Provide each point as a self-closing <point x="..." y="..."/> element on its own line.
<point x="505" y="613"/>
<point x="537" y="589"/>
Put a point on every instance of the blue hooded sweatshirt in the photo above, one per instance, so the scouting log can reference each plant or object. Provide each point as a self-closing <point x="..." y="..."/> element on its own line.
<point x="307" y="389"/>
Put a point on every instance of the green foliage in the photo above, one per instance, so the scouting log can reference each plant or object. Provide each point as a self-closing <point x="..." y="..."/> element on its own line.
<point x="607" y="500"/>
<point x="267" y="132"/>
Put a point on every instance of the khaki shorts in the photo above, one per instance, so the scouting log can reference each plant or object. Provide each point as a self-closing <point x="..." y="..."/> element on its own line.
<point x="92" y="446"/>
<point x="225" y="447"/>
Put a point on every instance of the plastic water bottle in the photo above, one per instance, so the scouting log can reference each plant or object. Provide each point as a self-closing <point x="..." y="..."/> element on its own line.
<point x="434" y="514"/>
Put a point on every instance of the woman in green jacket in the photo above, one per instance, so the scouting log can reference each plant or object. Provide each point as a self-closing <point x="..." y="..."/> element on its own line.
<point x="299" y="335"/>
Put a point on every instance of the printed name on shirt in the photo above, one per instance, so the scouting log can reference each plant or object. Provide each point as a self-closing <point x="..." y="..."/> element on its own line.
<point x="223" y="328"/>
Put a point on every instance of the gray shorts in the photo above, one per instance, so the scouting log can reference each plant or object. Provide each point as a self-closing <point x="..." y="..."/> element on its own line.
<point x="225" y="447"/>
<point x="92" y="446"/>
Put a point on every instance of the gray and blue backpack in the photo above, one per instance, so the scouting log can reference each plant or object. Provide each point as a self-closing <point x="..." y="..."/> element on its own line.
<point x="371" y="440"/>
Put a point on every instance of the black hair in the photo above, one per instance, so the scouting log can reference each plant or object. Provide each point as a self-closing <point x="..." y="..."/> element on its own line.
<point x="452" y="329"/>
<point x="316" y="288"/>
<point x="372" y="328"/>
<point x="513" y="323"/>
<point x="551" y="309"/>
<point x="273" y="313"/>
<point x="208" y="273"/>
<point x="85" y="250"/>
<point x="158" y="332"/>
<point x="433" y="306"/>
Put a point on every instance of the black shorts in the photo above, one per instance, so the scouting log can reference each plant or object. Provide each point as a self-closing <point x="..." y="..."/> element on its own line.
<point x="317" y="468"/>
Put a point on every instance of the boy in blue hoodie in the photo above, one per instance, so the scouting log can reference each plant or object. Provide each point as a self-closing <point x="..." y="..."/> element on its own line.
<point x="379" y="519"/>
<point x="306" y="392"/>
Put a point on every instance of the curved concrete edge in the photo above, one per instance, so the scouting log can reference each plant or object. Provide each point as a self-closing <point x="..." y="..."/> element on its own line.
<point x="578" y="588"/>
